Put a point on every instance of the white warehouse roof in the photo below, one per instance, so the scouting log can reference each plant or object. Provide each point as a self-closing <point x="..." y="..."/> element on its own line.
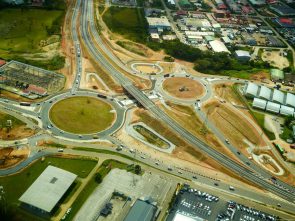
<point x="273" y="107"/>
<point x="278" y="96"/>
<point x="285" y="110"/>
<point x="48" y="188"/>
<point x="251" y="89"/>
<point x="259" y="103"/>
<point x="264" y="92"/>
<point x="290" y="100"/>
<point x="242" y="53"/>
<point x="218" y="46"/>
<point x="158" y="22"/>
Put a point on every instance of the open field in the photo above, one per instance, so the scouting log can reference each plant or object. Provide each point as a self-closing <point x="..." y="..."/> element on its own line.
<point x="235" y="127"/>
<point x="127" y="22"/>
<point x="82" y="115"/>
<point x="18" y="130"/>
<point x="184" y="88"/>
<point x="24" y="32"/>
<point x="227" y="92"/>
<point x="10" y="156"/>
<point x="13" y="189"/>
<point x="275" y="59"/>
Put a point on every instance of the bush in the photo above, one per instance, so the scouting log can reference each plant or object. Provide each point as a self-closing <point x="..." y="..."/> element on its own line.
<point x="98" y="178"/>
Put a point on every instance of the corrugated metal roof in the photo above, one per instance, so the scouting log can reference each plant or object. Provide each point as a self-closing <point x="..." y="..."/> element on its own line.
<point x="285" y="110"/>
<point x="278" y="96"/>
<point x="141" y="211"/>
<point x="290" y="100"/>
<point x="273" y="107"/>
<point x="264" y="92"/>
<point x="259" y="103"/>
<point x="48" y="188"/>
<point x="251" y="89"/>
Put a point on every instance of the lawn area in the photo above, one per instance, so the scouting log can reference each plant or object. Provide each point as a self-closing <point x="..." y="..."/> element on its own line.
<point x="128" y="22"/>
<point x="16" y="185"/>
<point x="259" y="117"/>
<point x="82" y="115"/>
<point x="22" y="30"/>
<point x="103" y="170"/>
<point x="15" y="122"/>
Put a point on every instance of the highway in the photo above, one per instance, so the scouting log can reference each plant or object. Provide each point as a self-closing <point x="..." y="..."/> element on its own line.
<point x="91" y="38"/>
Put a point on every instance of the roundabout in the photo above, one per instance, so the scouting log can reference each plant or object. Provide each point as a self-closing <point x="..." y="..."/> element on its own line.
<point x="183" y="88"/>
<point x="82" y="115"/>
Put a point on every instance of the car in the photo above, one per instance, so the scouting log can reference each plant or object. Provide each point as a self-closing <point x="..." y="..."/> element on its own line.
<point x="60" y="150"/>
<point x="227" y="141"/>
<point x="157" y="163"/>
<point x="195" y="177"/>
<point x="179" y="172"/>
<point x="238" y="152"/>
<point x="169" y="168"/>
<point x="39" y="117"/>
<point x="142" y="157"/>
<point x="216" y="184"/>
<point x="48" y="127"/>
<point x="80" y="136"/>
<point x="248" y="163"/>
<point x="119" y="148"/>
<point x="231" y="188"/>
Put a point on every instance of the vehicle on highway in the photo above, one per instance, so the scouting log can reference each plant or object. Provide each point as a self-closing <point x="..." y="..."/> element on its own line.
<point x="60" y="150"/>
<point x="24" y="104"/>
<point x="119" y="148"/>
<point x="231" y="188"/>
<point x="227" y="141"/>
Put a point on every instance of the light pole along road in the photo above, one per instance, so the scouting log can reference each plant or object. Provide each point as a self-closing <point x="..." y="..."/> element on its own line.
<point x="91" y="38"/>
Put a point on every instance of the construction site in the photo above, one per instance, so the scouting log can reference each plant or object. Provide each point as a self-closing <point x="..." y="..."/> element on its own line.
<point x="29" y="81"/>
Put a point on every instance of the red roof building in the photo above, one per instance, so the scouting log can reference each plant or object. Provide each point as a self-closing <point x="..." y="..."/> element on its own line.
<point x="2" y="62"/>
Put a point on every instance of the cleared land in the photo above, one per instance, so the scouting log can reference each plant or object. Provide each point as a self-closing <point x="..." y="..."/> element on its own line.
<point x="127" y="22"/>
<point x="10" y="156"/>
<point x="235" y="127"/>
<point x="17" y="130"/>
<point x="25" y="32"/>
<point x="82" y="115"/>
<point x="228" y="93"/>
<point x="13" y="189"/>
<point x="184" y="88"/>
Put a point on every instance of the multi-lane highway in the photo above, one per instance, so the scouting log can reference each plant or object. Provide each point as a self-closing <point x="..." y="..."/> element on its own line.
<point x="91" y="40"/>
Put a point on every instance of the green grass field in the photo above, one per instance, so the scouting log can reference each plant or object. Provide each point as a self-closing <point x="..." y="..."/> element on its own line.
<point x="128" y="22"/>
<point x="15" y="122"/>
<point x="82" y="115"/>
<point x="16" y="185"/>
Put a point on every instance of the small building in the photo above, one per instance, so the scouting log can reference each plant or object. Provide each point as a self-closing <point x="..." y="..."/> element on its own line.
<point x="47" y="190"/>
<point x="259" y="103"/>
<point x="142" y="210"/>
<point x="242" y="55"/>
<point x="226" y="40"/>
<point x="218" y="46"/>
<point x="278" y="97"/>
<point x="287" y="111"/>
<point x="290" y="100"/>
<point x="2" y="62"/>
<point x="155" y="36"/>
<point x="273" y="107"/>
<point x="251" y="90"/>
<point x="264" y="93"/>
<point x="276" y="74"/>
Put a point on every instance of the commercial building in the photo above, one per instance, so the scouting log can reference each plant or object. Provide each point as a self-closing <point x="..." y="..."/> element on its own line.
<point x="218" y="46"/>
<point x="276" y="74"/>
<point x="142" y="210"/>
<point x="278" y="97"/>
<point x="251" y="90"/>
<point x="242" y="55"/>
<point x="264" y="93"/>
<point x="160" y="24"/>
<point x="47" y="190"/>
<point x="259" y="103"/>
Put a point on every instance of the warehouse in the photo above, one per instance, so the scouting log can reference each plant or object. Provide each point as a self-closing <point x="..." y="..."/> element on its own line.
<point x="161" y="24"/>
<point x="259" y="103"/>
<point x="243" y="56"/>
<point x="251" y="90"/>
<point x="273" y="107"/>
<point x="218" y="46"/>
<point x="142" y="210"/>
<point x="290" y="100"/>
<point x="47" y="190"/>
<point x="278" y="97"/>
<point x="264" y="93"/>
<point x="286" y="111"/>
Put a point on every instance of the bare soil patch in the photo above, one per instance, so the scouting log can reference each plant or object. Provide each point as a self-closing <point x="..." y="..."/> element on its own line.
<point x="275" y="59"/>
<point x="10" y="157"/>
<point x="227" y="92"/>
<point x="16" y="133"/>
<point x="184" y="88"/>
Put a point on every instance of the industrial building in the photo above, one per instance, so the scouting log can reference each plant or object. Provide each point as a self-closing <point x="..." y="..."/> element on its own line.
<point x="278" y="97"/>
<point x="290" y="100"/>
<point x="160" y="24"/>
<point x="273" y="107"/>
<point x="251" y="90"/>
<point x="259" y="103"/>
<point x="264" y="93"/>
<point x="282" y="9"/>
<point x="218" y="46"/>
<point x="47" y="190"/>
<point x="142" y="210"/>
<point x="242" y="55"/>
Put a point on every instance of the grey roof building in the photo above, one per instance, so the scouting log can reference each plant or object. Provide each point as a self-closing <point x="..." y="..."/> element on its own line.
<point x="278" y="97"/>
<point x="242" y="55"/>
<point x="273" y="107"/>
<point x="251" y="90"/>
<point x="259" y="103"/>
<point x="285" y="110"/>
<point x="48" y="189"/>
<point x="290" y="100"/>
<point x="264" y="93"/>
<point x="141" y="211"/>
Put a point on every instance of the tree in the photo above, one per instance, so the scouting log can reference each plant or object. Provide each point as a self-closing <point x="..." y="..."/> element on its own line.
<point x="137" y="169"/>
<point x="98" y="178"/>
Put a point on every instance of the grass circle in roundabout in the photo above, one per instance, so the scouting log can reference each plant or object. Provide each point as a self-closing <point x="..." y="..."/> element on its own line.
<point x="82" y="115"/>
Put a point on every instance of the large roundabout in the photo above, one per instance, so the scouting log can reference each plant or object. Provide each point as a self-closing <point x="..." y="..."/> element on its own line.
<point x="82" y="115"/>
